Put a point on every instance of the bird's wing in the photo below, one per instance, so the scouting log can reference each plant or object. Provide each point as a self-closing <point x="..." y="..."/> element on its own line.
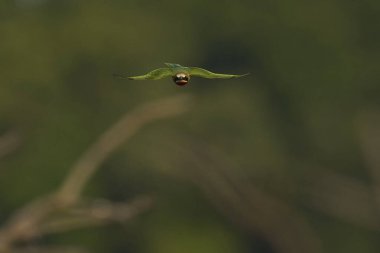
<point x="154" y="74"/>
<point x="173" y="65"/>
<point x="194" y="71"/>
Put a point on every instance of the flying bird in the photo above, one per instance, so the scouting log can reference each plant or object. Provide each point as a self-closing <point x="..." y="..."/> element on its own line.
<point x="180" y="74"/>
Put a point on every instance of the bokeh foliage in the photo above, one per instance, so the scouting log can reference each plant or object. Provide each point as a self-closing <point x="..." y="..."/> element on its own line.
<point x="314" y="70"/>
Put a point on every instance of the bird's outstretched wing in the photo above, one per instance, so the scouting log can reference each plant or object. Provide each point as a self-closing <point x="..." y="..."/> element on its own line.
<point x="154" y="74"/>
<point x="173" y="65"/>
<point x="194" y="71"/>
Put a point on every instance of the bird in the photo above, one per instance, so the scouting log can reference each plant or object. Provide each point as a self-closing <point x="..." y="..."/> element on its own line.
<point x="180" y="74"/>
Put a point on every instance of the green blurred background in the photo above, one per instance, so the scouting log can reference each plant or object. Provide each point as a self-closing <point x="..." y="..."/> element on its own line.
<point x="284" y="160"/>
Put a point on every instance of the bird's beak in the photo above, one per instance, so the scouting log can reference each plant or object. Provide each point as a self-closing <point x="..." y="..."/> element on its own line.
<point x="181" y="82"/>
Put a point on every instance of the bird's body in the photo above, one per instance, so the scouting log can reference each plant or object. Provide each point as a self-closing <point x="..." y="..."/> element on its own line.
<point x="180" y="74"/>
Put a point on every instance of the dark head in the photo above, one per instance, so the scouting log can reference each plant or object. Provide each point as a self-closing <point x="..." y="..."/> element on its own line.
<point x="181" y="79"/>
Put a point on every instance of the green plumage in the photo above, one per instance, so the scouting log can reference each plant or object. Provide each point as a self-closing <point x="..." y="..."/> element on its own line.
<point x="194" y="71"/>
<point x="174" y="69"/>
<point x="154" y="75"/>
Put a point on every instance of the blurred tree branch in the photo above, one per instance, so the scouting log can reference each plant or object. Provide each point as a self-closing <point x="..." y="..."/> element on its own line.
<point x="346" y="198"/>
<point x="33" y="219"/>
<point x="369" y="137"/>
<point x="96" y="213"/>
<point x="113" y="138"/>
<point x="254" y="209"/>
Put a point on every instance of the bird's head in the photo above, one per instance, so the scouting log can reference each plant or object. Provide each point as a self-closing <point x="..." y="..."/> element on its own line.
<point x="181" y="79"/>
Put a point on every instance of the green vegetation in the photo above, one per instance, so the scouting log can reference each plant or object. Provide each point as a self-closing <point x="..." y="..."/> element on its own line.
<point x="283" y="160"/>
